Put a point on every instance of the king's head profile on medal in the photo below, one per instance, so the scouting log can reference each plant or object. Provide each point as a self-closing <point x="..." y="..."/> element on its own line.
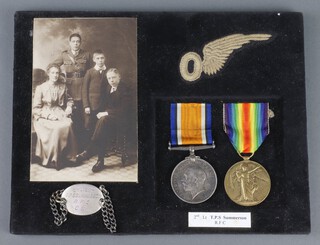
<point x="194" y="181"/>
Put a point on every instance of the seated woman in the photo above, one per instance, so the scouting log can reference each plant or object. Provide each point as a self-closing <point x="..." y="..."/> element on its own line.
<point x="52" y="107"/>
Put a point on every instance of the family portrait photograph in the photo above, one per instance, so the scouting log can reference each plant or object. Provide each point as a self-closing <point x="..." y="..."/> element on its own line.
<point x="84" y="124"/>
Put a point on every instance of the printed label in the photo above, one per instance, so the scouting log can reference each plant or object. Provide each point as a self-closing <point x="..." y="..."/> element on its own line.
<point x="219" y="219"/>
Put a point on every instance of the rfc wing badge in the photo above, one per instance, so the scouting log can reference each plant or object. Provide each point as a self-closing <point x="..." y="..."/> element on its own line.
<point x="215" y="55"/>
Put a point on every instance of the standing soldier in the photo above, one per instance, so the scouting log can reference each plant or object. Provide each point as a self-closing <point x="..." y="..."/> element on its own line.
<point x="75" y="62"/>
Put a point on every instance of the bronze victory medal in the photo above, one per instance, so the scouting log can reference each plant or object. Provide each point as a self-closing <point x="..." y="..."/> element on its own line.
<point x="194" y="180"/>
<point x="247" y="183"/>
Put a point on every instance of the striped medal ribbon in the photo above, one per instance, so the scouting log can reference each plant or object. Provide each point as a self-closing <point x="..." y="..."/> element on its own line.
<point x="246" y="124"/>
<point x="193" y="180"/>
<point x="191" y="124"/>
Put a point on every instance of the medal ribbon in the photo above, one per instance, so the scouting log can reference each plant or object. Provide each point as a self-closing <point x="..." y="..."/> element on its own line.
<point x="246" y="124"/>
<point x="190" y="124"/>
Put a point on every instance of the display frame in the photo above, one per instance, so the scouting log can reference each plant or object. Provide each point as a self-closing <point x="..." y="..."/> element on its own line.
<point x="271" y="72"/>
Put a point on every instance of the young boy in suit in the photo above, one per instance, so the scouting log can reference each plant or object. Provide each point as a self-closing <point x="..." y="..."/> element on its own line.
<point x="93" y="92"/>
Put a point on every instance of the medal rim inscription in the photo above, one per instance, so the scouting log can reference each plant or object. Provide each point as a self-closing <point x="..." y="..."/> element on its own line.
<point x="199" y="161"/>
<point x="93" y="207"/>
<point x="241" y="203"/>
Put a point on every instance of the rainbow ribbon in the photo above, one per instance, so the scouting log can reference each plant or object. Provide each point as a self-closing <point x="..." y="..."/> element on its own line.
<point x="246" y="124"/>
<point x="191" y="124"/>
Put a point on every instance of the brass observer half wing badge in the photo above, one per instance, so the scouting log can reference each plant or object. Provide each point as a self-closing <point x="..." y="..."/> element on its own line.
<point x="215" y="55"/>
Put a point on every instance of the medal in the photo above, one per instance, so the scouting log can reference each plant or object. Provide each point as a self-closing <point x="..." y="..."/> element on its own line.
<point x="193" y="180"/>
<point x="247" y="183"/>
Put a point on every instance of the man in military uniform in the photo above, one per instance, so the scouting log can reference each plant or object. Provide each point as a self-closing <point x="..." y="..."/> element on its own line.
<point x="75" y="62"/>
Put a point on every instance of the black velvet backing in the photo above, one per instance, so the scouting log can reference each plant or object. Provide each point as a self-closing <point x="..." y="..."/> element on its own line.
<point x="271" y="71"/>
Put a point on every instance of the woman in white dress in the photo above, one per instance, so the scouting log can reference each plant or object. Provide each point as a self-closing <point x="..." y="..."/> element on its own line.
<point x="52" y="108"/>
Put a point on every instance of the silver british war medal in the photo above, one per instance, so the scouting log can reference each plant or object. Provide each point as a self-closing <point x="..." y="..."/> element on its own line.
<point x="193" y="180"/>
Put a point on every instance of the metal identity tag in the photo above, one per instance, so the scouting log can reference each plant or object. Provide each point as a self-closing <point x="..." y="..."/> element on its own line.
<point x="82" y="199"/>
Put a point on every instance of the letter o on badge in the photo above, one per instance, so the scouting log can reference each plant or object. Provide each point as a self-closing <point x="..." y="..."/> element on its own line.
<point x="197" y="66"/>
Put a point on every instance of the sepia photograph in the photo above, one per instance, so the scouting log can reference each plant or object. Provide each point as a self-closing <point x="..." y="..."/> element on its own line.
<point x="84" y="100"/>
